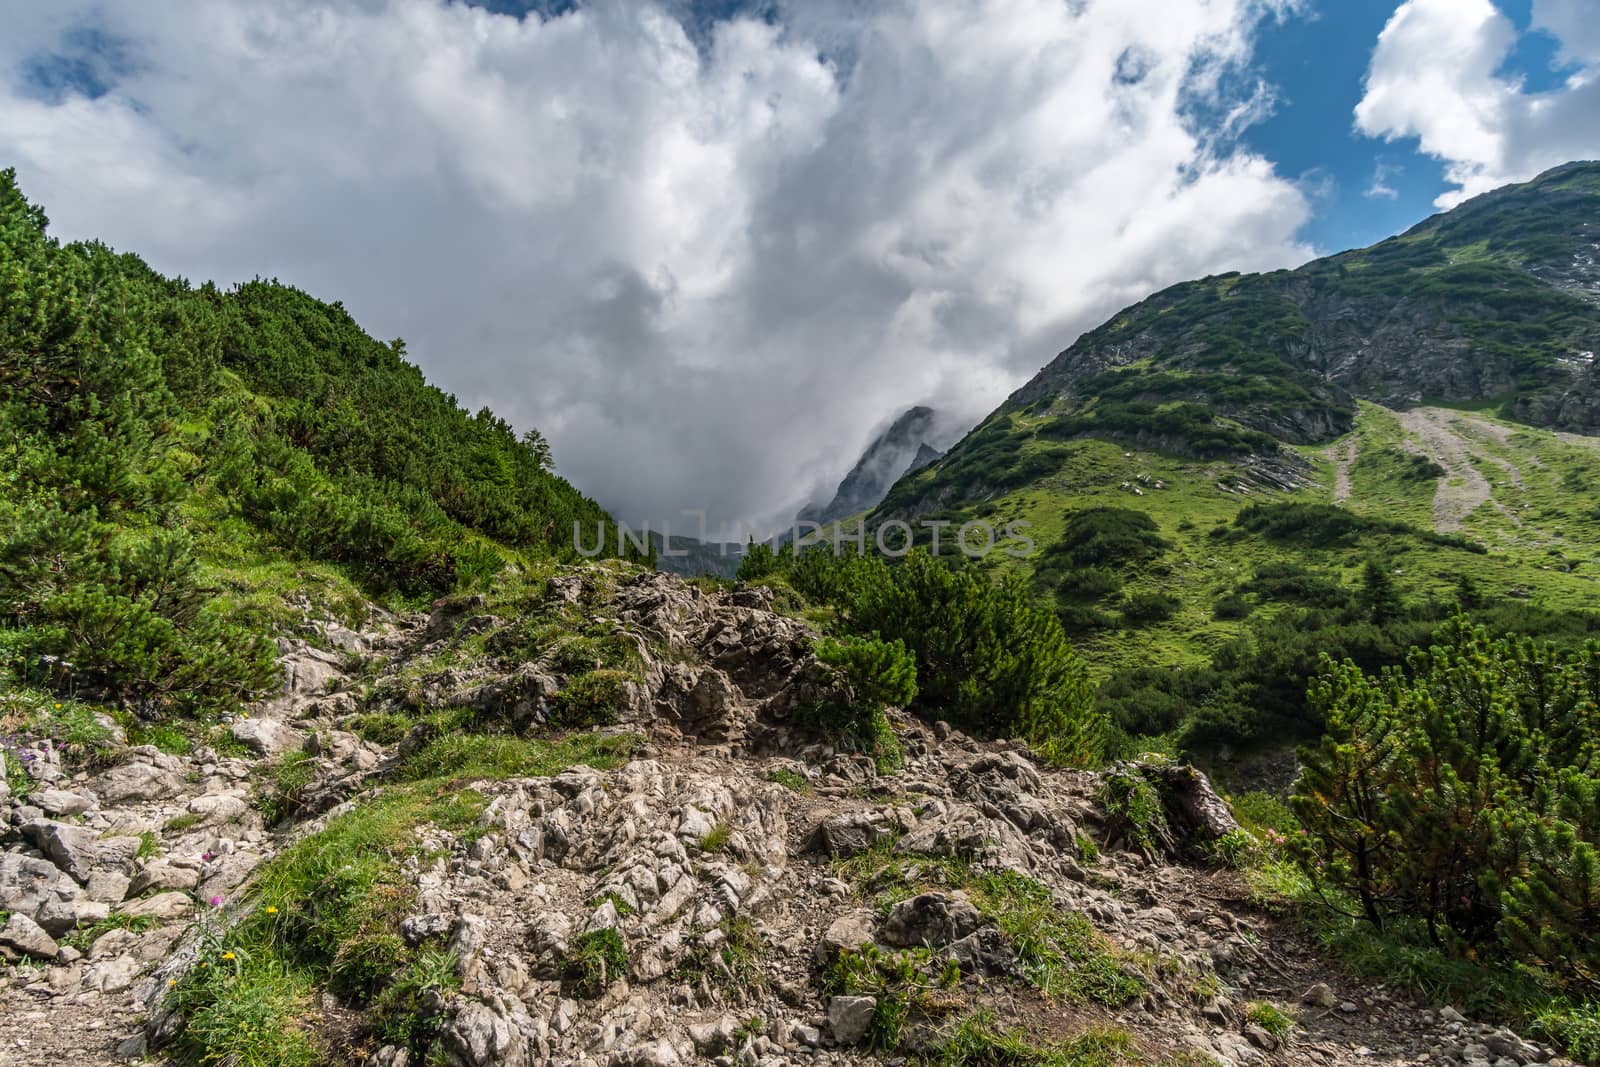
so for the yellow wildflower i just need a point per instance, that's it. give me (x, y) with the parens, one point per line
(227, 955)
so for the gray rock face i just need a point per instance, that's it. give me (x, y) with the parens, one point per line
(848, 932)
(906, 446)
(849, 833)
(480, 1036)
(74, 849)
(27, 882)
(170, 905)
(984, 951)
(59, 802)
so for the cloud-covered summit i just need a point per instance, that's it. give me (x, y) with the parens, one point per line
(706, 264)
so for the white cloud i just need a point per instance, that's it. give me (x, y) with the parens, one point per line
(1380, 189)
(1435, 75)
(1573, 23)
(707, 270)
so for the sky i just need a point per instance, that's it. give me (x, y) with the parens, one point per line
(709, 249)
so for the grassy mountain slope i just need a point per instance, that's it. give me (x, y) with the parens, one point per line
(188, 469)
(1242, 472)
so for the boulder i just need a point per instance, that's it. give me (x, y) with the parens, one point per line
(266, 737)
(22, 938)
(163, 906)
(161, 875)
(852, 832)
(984, 951)
(931, 919)
(74, 849)
(110, 887)
(139, 781)
(58, 802)
(849, 1018)
(215, 809)
(26, 882)
(849, 931)
(480, 1036)
(1193, 807)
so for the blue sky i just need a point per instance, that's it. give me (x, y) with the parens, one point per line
(1318, 62)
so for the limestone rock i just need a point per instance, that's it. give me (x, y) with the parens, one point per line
(849, 1018)
(22, 938)
(848, 932)
(162, 906)
(58, 802)
(480, 1036)
(150, 777)
(265, 737)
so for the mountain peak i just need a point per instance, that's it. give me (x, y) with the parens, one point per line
(899, 450)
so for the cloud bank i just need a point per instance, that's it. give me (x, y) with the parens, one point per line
(706, 265)
(1436, 75)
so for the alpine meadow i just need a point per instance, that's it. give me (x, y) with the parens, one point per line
(326, 737)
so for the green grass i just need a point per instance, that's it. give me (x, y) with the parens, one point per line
(793, 781)
(906, 984)
(463, 757)
(170, 738)
(733, 964)
(84, 936)
(28, 713)
(280, 795)
(717, 838)
(593, 962)
(382, 727)
(978, 1040)
(1269, 1017)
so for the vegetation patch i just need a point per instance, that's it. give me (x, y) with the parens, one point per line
(279, 797)
(594, 961)
(979, 1040)
(1059, 951)
(466, 756)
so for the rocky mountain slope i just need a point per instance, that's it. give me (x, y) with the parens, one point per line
(703, 881)
(1497, 300)
(906, 446)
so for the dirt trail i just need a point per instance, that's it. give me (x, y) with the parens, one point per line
(1344, 457)
(1438, 434)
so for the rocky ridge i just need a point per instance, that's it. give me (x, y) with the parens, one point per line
(757, 883)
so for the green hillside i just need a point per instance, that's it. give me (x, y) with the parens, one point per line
(1242, 473)
(189, 470)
